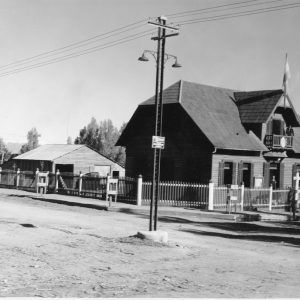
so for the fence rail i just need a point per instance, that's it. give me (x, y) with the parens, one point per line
(256, 198)
(282, 199)
(221, 200)
(181, 194)
(178, 194)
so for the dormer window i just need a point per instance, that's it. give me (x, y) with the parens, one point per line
(278, 127)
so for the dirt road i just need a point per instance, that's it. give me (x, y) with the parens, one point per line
(53, 250)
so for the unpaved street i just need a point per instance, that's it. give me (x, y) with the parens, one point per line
(53, 250)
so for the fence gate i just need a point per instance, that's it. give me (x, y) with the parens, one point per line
(228, 198)
(233, 198)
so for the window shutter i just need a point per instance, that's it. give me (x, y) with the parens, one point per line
(234, 173)
(251, 175)
(221, 173)
(281, 176)
(268, 129)
(294, 171)
(266, 174)
(240, 173)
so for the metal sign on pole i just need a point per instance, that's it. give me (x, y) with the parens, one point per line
(158, 142)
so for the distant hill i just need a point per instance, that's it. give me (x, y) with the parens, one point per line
(14, 148)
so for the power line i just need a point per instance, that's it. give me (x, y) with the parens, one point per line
(93, 39)
(210, 8)
(204, 11)
(241, 14)
(77, 54)
(77, 44)
(127, 28)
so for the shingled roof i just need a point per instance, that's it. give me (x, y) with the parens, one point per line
(257, 106)
(214, 111)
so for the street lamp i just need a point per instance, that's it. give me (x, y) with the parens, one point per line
(158, 142)
(167, 56)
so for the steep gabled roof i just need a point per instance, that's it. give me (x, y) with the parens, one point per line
(213, 110)
(257, 106)
(48, 152)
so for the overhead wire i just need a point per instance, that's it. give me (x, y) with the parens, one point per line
(77, 54)
(217, 8)
(57, 52)
(241, 14)
(78, 44)
(210, 8)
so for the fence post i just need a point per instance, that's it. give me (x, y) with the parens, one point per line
(80, 183)
(242, 196)
(37, 180)
(108, 197)
(0, 174)
(211, 195)
(18, 178)
(56, 181)
(139, 190)
(270, 197)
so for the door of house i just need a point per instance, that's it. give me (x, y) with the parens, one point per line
(274, 175)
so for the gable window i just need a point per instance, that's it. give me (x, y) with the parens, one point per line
(277, 127)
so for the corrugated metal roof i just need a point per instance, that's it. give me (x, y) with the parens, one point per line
(48, 152)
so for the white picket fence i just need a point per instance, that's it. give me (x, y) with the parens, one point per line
(241, 198)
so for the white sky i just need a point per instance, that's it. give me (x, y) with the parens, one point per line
(246, 53)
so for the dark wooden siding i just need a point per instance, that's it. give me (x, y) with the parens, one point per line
(187, 153)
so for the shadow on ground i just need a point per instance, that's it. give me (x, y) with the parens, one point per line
(250, 237)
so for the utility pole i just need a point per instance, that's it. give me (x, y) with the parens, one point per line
(160, 62)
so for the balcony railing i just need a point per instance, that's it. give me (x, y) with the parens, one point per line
(274, 141)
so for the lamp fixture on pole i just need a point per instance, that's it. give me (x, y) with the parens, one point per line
(144, 58)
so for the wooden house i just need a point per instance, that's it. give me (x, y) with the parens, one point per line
(67, 158)
(217, 134)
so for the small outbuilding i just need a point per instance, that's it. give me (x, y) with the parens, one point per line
(68, 158)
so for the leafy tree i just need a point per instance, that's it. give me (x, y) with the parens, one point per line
(102, 137)
(4, 153)
(32, 140)
(69, 140)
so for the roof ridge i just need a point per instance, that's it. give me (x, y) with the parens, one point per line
(80, 146)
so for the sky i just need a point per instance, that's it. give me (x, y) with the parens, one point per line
(242, 53)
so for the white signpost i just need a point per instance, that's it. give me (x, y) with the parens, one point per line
(158, 142)
(296, 178)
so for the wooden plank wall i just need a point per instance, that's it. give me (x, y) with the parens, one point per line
(217, 158)
(84, 160)
(186, 148)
